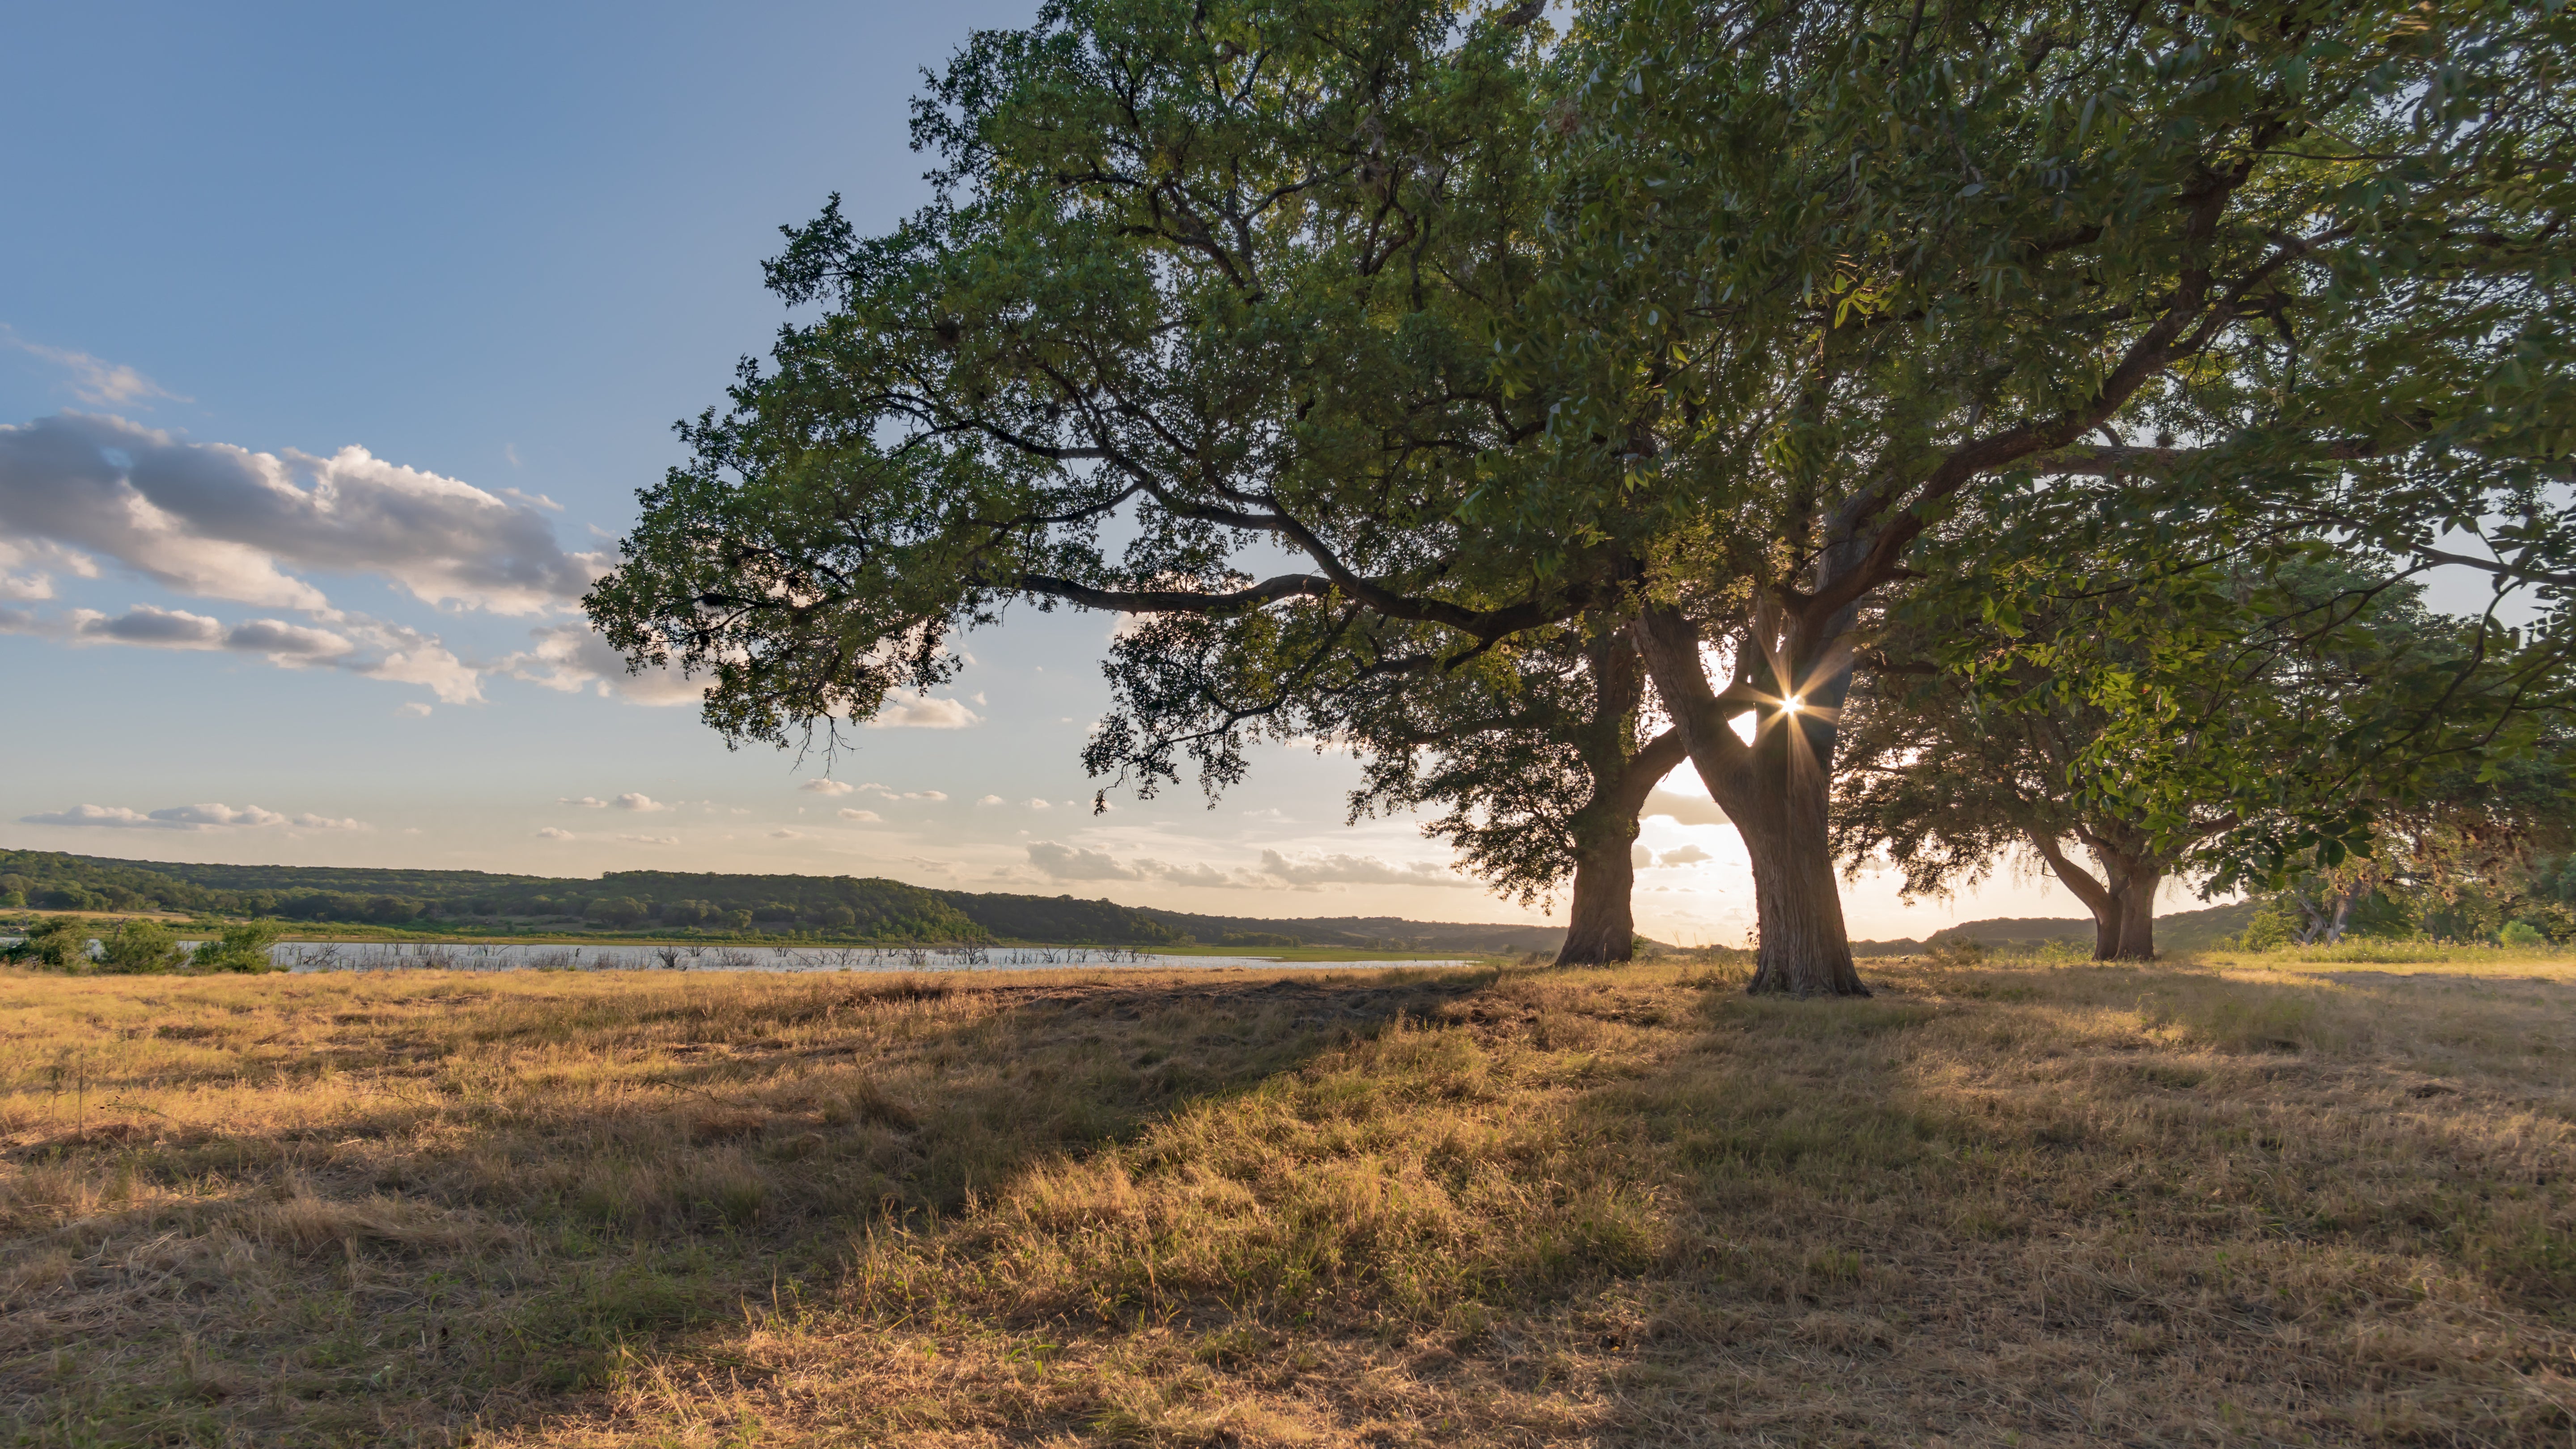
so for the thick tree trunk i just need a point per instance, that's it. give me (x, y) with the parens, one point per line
(1599, 929)
(1775, 791)
(2137, 941)
(1803, 948)
(2124, 909)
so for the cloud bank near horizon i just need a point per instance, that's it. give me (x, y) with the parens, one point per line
(209, 816)
(1066, 863)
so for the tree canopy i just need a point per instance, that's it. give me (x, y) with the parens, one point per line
(1382, 359)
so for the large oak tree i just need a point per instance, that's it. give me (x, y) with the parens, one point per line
(1199, 332)
(1822, 267)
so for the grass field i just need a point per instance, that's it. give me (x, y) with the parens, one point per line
(2334, 1203)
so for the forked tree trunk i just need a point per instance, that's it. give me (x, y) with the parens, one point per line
(1775, 792)
(2124, 908)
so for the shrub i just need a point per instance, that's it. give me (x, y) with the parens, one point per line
(242, 948)
(58, 943)
(2523, 934)
(141, 948)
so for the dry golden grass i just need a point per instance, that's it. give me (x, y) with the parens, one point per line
(1999, 1204)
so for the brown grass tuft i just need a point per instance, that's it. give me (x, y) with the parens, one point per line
(1996, 1203)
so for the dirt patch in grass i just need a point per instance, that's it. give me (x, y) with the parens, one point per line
(2064, 1205)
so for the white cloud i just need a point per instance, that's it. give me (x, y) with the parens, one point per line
(1072, 863)
(1065, 862)
(651, 839)
(638, 801)
(1355, 870)
(573, 657)
(414, 710)
(209, 816)
(992, 800)
(378, 650)
(1036, 804)
(1198, 873)
(150, 627)
(157, 628)
(29, 587)
(787, 835)
(221, 522)
(864, 817)
(586, 802)
(890, 793)
(93, 380)
(285, 643)
(827, 787)
(1683, 809)
(906, 710)
(430, 664)
(551, 832)
(1685, 855)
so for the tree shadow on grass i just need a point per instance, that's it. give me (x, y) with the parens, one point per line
(2098, 1205)
(431, 1213)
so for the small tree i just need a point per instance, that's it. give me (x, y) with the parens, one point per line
(141, 948)
(616, 911)
(240, 948)
(2050, 704)
(56, 943)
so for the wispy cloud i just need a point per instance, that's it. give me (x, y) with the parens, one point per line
(94, 380)
(891, 793)
(1059, 862)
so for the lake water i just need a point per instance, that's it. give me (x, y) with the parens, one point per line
(446, 956)
(437, 956)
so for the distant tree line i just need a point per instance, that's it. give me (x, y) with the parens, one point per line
(703, 903)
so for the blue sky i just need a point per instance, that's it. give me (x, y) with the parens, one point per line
(499, 249)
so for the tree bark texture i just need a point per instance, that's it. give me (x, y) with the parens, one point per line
(1775, 791)
(2122, 900)
(1600, 926)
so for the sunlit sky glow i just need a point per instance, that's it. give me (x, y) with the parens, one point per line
(335, 344)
